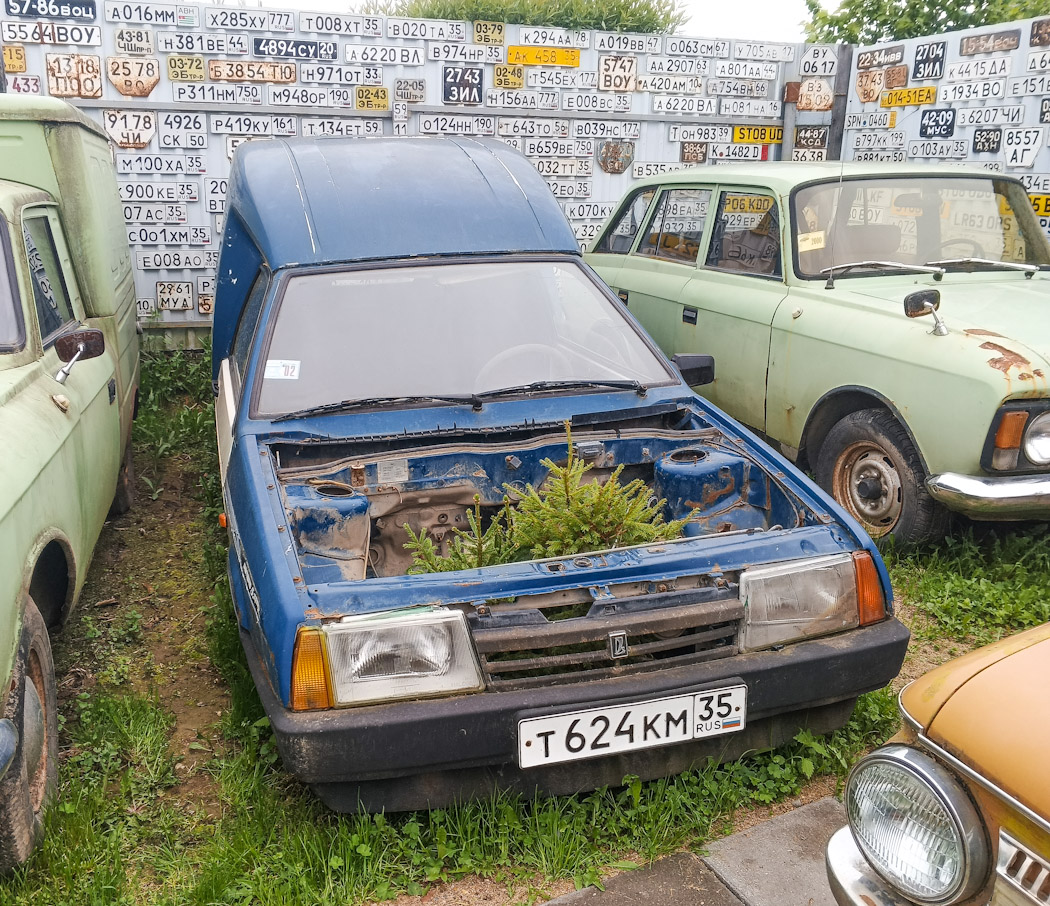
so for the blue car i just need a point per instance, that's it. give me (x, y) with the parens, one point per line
(408, 347)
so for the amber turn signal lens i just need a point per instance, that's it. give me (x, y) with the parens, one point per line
(871, 606)
(1011, 430)
(222, 520)
(309, 678)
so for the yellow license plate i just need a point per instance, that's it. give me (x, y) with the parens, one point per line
(758, 135)
(1041, 204)
(909, 97)
(543, 56)
(14, 58)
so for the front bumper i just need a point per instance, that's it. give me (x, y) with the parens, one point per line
(1007, 497)
(420, 753)
(853, 881)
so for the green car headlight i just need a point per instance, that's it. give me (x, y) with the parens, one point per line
(917, 826)
(1037, 440)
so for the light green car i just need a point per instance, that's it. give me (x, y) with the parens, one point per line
(69, 371)
(888, 326)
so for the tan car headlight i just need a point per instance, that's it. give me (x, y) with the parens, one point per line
(916, 826)
(410, 654)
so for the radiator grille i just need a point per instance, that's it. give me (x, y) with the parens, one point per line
(1023, 869)
(522, 646)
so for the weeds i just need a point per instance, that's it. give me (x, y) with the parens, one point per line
(979, 585)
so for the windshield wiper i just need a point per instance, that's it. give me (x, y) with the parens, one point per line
(535, 386)
(351, 405)
(937, 272)
(972, 264)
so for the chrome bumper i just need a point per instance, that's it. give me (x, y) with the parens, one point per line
(1009, 497)
(853, 881)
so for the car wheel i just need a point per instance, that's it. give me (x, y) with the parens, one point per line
(870, 466)
(124, 498)
(33, 775)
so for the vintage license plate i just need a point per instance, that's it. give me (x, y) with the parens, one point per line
(201, 42)
(185, 68)
(411, 91)
(14, 58)
(891, 139)
(641, 169)
(175, 296)
(489, 32)
(51, 9)
(153, 14)
(880, 119)
(461, 84)
(182, 131)
(557, 147)
(697, 47)
(543, 56)
(569, 188)
(1033, 84)
(446, 52)
(980, 90)
(809, 154)
(588, 210)
(215, 194)
(1021, 145)
(670, 84)
(130, 128)
(259, 124)
(605, 129)
(909, 97)
(955, 149)
(678, 66)
(216, 94)
(134, 212)
(452, 124)
(523, 99)
(626, 728)
(585, 232)
(248, 20)
(170, 164)
(683, 133)
(134, 41)
(295, 49)
(749, 107)
(552, 37)
(357, 127)
(133, 76)
(774, 53)
(684, 105)
(745, 69)
(929, 61)
(169, 235)
(740, 88)
(719, 151)
(144, 190)
(426, 29)
(971, 70)
(508, 78)
(811, 137)
(73, 75)
(819, 60)
(50, 33)
(624, 43)
(327, 74)
(378, 54)
(333, 24)
(761, 135)
(589, 102)
(251, 71)
(23, 84)
(564, 166)
(533, 128)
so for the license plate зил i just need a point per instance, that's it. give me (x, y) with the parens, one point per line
(623, 728)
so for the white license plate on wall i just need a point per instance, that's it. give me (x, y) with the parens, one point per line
(625, 728)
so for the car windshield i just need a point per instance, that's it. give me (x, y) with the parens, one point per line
(451, 329)
(950, 222)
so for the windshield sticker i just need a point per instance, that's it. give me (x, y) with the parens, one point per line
(282, 370)
(811, 242)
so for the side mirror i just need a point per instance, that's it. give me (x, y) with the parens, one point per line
(924, 302)
(88, 343)
(696, 369)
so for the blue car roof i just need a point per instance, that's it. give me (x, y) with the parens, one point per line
(313, 201)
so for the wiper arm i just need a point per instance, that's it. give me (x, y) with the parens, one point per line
(937, 272)
(974, 263)
(351, 405)
(637, 387)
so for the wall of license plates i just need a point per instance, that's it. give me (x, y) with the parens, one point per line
(179, 86)
(978, 96)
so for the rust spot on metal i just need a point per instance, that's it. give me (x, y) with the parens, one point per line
(980, 332)
(1024, 376)
(1038, 372)
(357, 476)
(1006, 358)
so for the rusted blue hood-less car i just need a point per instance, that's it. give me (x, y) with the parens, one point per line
(403, 330)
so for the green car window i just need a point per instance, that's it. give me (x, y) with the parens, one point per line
(678, 225)
(53, 307)
(746, 235)
(620, 239)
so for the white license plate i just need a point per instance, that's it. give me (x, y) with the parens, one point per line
(626, 728)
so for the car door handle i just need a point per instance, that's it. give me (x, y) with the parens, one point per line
(688, 315)
(623, 296)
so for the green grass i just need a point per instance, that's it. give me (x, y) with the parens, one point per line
(977, 585)
(116, 836)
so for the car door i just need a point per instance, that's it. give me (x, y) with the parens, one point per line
(728, 307)
(657, 256)
(91, 444)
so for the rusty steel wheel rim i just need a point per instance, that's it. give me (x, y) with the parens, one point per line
(868, 485)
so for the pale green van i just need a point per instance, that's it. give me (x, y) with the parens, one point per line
(887, 325)
(69, 373)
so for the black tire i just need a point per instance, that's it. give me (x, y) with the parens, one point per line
(124, 498)
(31, 780)
(870, 466)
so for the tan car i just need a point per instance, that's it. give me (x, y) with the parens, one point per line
(956, 808)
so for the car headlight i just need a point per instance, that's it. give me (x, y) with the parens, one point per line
(800, 599)
(916, 826)
(408, 654)
(1037, 440)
